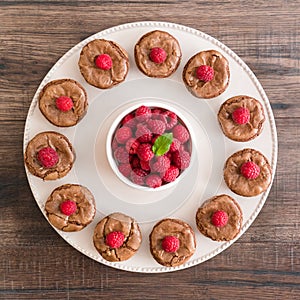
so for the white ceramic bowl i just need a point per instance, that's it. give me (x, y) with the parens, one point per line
(115, 125)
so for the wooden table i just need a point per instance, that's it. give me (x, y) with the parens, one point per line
(37, 264)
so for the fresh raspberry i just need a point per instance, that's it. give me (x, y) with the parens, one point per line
(135, 162)
(137, 176)
(123, 134)
(115, 239)
(129, 121)
(219, 218)
(161, 164)
(156, 126)
(171, 174)
(175, 146)
(143, 113)
(158, 55)
(181, 159)
(143, 133)
(68, 207)
(171, 119)
(103, 61)
(125, 169)
(156, 112)
(205, 73)
(170, 243)
(121, 155)
(250, 170)
(181, 133)
(132, 145)
(153, 181)
(145, 165)
(144, 152)
(114, 144)
(241, 115)
(64, 103)
(48, 157)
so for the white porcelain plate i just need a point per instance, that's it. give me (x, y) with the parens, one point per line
(203, 180)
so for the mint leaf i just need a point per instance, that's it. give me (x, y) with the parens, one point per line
(162, 144)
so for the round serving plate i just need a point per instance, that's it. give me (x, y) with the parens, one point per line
(203, 179)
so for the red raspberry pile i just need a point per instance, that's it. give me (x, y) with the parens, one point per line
(151, 146)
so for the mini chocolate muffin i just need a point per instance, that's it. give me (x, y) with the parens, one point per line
(157, 54)
(220, 218)
(63, 102)
(241, 118)
(206, 74)
(172, 242)
(117, 237)
(49, 155)
(247, 172)
(70, 207)
(103, 63)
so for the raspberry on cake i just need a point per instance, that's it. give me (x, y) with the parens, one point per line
(157, 54)
(103, 63)
(241, 118)
(49, 155)
(241, 115)
(70, 207)
(63, 102)
(250, 170)
(247, 172)
(206, 74)
(117, 237)
(219, 218)
(172, 242)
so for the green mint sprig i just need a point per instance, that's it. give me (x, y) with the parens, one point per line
(162, 144)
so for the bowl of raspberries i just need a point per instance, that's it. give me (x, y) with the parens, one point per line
(149, 146)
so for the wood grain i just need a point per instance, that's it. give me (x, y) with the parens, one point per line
(37, 264)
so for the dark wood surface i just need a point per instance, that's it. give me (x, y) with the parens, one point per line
(37, 264)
